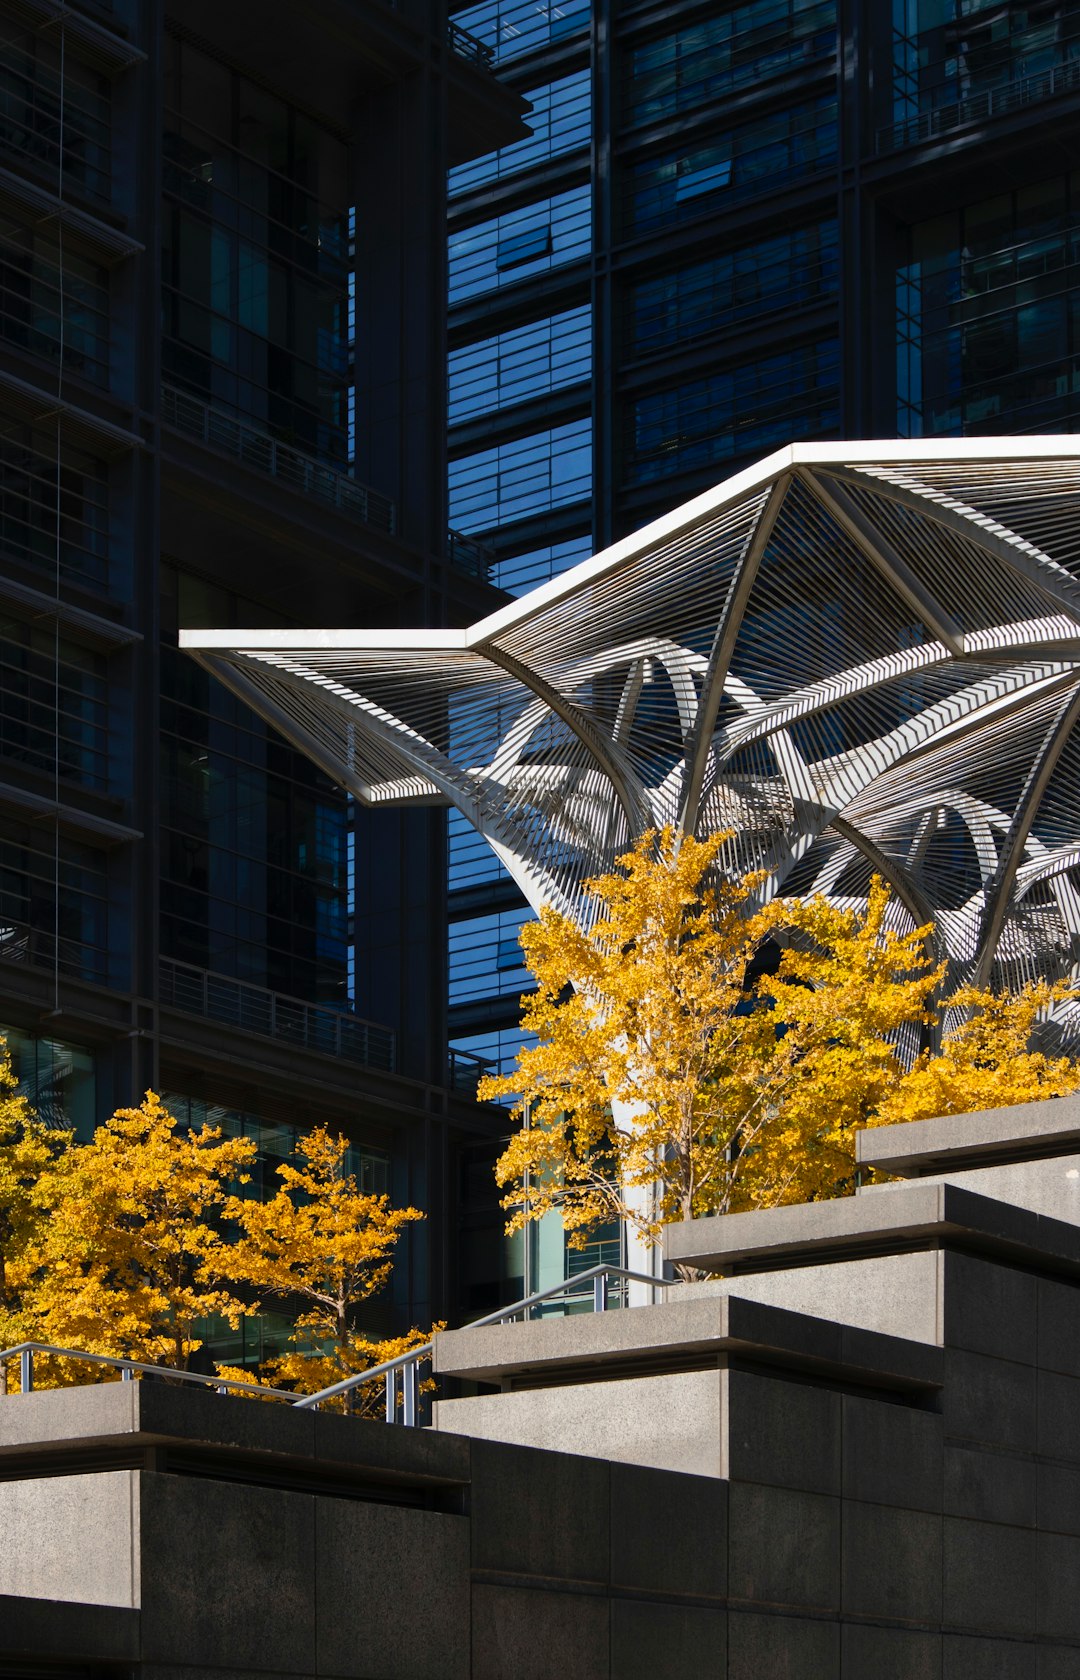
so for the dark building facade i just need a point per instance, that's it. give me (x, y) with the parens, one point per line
(738, 226)
(222, 344)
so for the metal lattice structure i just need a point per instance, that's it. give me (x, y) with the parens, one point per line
(858, 657)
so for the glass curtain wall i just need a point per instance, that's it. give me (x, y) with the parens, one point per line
(254, 838)
(255, 262)
(954, 62)
(504, 256)
(65, 704)
(519, 260)
(256, 321)
(658, 245)
(988, 316)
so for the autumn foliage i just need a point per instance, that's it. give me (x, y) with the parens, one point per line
(677, 1074)
(128, 1244)
(322, 1247)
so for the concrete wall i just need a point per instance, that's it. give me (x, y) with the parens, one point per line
(72, 1537)
(671, 1421)
(1051, 1187)
(824, 1500)
(893, 1294)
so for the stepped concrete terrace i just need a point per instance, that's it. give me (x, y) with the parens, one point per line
(887, 1388)
(852, 1452)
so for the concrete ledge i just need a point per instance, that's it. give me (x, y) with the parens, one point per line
(83, 1427)
(912, 1216)
(993, 1137)
(677, 1335)
(672, 1421)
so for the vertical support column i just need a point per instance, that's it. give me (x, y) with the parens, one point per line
(411, 1384)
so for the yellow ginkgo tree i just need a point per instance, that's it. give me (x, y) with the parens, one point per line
(128, 1258)
(678, 1074)
(27, 1149)
(987, 1060)
(319, 1248)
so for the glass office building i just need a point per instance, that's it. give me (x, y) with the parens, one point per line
(737, 226)
(199, 424)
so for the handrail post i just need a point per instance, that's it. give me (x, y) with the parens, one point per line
(126, 1374)
(599, 1288)
(391, 1396)
(26, 1371)
(411, 1386)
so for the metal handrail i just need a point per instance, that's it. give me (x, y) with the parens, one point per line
(241, 1003)
(980, 107)
(408, 1361)
(467, 46)
(293, 468)
(127, 1368)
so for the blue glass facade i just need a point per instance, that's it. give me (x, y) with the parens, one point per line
(791, 221)
(752, 408)
(691, 180)
(786, 271)
(988, 316)
(739, 48)
(520, 243)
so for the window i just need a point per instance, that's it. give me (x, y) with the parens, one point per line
(58, 1080)
(485, 956)
(54, 114)
(987, 329)
(517, 573)
(744, 161)
(788, 271)
(254, 837)
(694, 183)
(742, 47)
(523, 247)
(54, 711)
(49, 314)
(35, 532)
(513, 27)
(560, 122)
(522, 362)
(526, 476)
(954, 62)
(552, 231)
(54, 904)
(749, 409)
(255, 265)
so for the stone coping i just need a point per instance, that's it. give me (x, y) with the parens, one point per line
(686, 1330)
(992, 1137)
(82, 1426)
(912, 1216)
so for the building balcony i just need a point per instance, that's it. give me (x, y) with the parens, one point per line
(254, 1009)
(1010, 96)
(467, 46)
(226, 435)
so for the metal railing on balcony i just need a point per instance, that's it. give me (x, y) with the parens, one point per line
(467, 555)
(465, 1070)
(280, 461)
(468, 47)
(981, 107)
(312, 1026)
